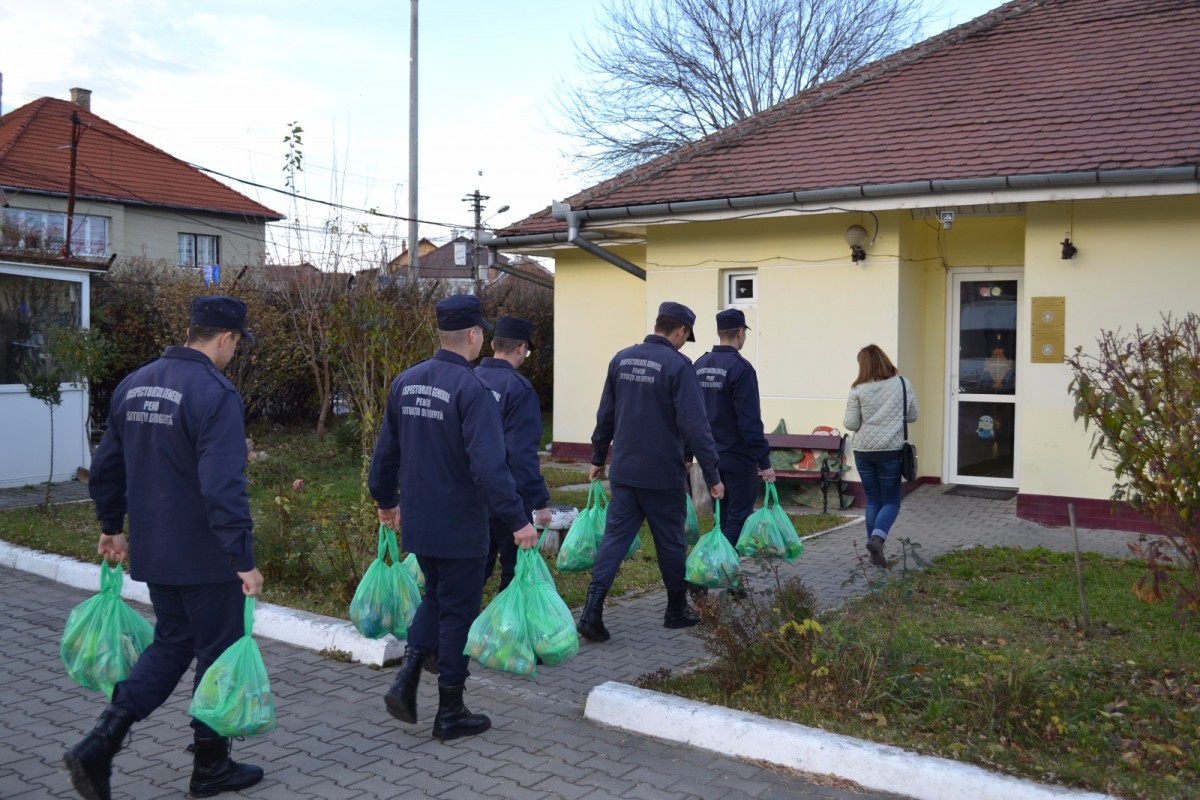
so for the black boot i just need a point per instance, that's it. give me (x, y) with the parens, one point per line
(453, 719)
(875, 548)
(679, 613)
(90, 761)
(429, 663)
(213, 771)
(401, 699)
(591, 621)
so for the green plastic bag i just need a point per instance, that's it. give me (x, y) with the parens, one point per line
(234, 696)
(551, 627)
(104, 637)
(578, 550)
(414, 569)
(499, 636)
(691, 526)
(387, 597)
(713, 562)
(769, 533)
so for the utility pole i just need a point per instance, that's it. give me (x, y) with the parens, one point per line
(413, 259)
(477, 270)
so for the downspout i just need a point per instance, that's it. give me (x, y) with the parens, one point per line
(563, 211)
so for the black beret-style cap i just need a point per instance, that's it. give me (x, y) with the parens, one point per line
(218, 311)
(680, 313)
(731, 319)
(460, 312)
(516, 328)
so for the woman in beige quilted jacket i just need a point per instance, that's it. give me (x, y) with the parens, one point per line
(876, 412)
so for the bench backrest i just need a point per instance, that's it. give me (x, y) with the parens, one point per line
(804, 441)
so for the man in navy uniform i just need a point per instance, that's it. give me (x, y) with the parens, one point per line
(442, 442)
(174, 459)
(730, 388)
(522, 417)
(650, 411)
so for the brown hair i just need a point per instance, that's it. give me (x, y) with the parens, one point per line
(873, 365)
(665, 326)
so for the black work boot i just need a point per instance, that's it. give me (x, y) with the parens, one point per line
(453, 719)
(213, 771)
(591, 621)
(679, 613)
(401, 699)
(90, 761)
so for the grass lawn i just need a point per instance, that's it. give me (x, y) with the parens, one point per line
(314, 544)
(980, 658)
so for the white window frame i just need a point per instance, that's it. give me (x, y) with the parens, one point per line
(190, 246)
(731, 278)
(48, 226)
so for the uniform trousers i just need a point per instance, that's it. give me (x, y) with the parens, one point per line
(192, 622)
(665, 510)
(453, 592)
(741, 490)
(503, 547)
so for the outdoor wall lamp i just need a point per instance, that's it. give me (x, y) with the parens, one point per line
(1068, 250)
(856, 237)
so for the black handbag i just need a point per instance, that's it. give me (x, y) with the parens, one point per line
(908, 451)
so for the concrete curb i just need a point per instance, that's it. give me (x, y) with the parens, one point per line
(302, 629)
(871, 765)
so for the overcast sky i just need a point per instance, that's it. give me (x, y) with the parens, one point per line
(216, 83)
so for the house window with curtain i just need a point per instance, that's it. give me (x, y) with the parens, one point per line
(741, 288)
(198, 250)
(32, 311)
(45, 232)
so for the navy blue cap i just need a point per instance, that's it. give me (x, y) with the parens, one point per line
(460, 312)
(680, 313)
(515, 328)
(218, 311)
(731, 319)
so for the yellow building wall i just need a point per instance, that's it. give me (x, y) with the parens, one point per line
(1137, 259)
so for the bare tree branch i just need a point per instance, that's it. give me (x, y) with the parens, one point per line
(662, 73)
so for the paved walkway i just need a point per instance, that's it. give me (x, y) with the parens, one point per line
(336, 742)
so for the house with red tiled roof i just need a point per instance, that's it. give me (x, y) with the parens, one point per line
(978, 205)
(453, 264)
(77, 192)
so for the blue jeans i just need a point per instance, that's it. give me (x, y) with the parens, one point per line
(881, 482)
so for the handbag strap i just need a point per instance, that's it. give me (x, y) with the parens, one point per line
(904, 410)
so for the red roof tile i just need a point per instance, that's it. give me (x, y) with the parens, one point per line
(1034, 87)
(112, 164)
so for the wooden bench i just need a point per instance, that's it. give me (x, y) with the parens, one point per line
(821, 469)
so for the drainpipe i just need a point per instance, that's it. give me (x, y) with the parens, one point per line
(563, 212)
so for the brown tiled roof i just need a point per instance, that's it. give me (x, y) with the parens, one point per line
(1034, 87)
(112, 164)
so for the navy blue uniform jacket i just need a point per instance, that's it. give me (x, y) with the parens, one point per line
(730, 388)
(442, 441)
(174, 458)
(650, 410)
(521, 415)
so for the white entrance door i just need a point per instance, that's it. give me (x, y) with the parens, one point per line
(984, 414)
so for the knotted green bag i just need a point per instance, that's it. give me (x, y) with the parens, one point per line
(104, 637)
(234, 695)
(578, 550)
(769, 533)
(387, 596)
(713, 562)
(691, 525)
(550, 624)
(499, 636)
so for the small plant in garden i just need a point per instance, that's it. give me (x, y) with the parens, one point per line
(1140, 396)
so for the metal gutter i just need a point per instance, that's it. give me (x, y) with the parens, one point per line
(577, 218)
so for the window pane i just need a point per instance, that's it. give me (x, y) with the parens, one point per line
(206, 247)
(30, 310)
(187, 250)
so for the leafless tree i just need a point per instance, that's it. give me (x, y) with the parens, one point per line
(662, 73)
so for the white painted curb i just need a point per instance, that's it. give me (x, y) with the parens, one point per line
(871, 765)
(299, 628)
